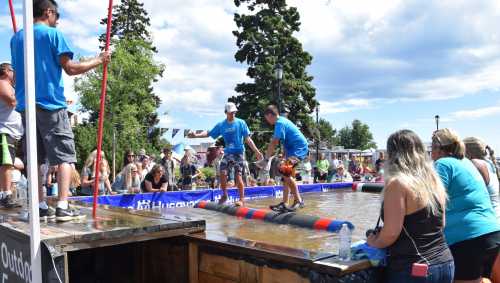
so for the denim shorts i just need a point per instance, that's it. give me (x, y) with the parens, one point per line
(438, 273)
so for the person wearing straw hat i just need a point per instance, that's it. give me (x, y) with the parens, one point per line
(235, 133)
(11, 131)
(55, 138)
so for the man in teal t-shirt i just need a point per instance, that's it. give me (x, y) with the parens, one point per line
(296, 150)
(235, 133)
(55, 137)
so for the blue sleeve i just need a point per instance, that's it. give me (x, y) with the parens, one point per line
(245, 131)
(445, 173)
(215, 132)
(60, 45)
(279, 131)
(12, 52)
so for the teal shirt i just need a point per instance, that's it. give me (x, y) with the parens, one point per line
(50, 45)
(293, 140)
(469, 213)
(234, 134)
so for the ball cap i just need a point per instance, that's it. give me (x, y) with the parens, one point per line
(230, 108)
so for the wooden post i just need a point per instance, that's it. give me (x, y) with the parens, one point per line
(193, 263)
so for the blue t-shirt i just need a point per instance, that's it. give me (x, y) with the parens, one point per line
(293, 140)
(234, 135)
(469, 213)
(50, 44)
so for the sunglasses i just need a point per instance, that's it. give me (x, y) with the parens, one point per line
(130, 155)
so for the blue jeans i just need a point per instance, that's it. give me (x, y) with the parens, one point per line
(438, 273)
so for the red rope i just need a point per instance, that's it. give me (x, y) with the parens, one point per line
(12, 16)
(102, 111)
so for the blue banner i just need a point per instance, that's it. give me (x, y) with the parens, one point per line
(147, 201)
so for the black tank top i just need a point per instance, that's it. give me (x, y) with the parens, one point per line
(426, 229)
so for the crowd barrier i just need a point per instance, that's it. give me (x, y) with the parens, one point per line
(290, 218)
(147, 201)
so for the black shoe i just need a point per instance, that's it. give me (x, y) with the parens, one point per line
(297, 205)
(64, 215)
(46, 214)
(281, 207)
(8, 202)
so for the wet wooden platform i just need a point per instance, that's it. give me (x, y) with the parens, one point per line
(112, 226)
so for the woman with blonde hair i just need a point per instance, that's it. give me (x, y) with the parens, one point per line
(477, 151)
(413, 214)
(472, 229)
(88, 175)
(131, 179)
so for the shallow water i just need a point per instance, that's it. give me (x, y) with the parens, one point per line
(361, 209)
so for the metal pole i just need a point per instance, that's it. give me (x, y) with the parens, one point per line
(437, 122)
(29, 86)
(12, 16)
(317, 127)
(280, 106)
(101, 111)
(114, 153)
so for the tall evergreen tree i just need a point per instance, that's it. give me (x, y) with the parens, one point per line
(265, 38)
(131, 104)
(131, 21)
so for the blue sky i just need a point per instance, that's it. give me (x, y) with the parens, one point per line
(392, 64)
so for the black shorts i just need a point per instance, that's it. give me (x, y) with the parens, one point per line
(474, 258)
(7, 150)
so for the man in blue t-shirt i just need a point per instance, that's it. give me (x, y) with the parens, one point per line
(54, 135)
(296, 149)
(235, 133)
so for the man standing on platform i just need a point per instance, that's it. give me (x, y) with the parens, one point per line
(54, 135)
(296, 149)
(11, 131)
(235, 133)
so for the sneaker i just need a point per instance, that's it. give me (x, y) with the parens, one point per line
(8, 202)
(46, 214)
(64, 215)
(281, 207)
(239, 204)
(297, 205)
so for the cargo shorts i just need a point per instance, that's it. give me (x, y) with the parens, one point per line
(235, 162)
(55, 139)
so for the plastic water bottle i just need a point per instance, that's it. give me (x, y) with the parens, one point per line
(345, 243)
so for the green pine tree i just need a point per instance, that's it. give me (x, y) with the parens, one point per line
(265, 37)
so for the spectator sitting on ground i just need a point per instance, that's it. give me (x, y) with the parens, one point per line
(75, 181)
(252, 182)
(472, 229)
(128, 180)
(342, 175)
(322, 166)
(355, 169)
(475, 150)
(155, 181)
(88, 175)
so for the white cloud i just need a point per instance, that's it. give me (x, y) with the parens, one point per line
(476, 113)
